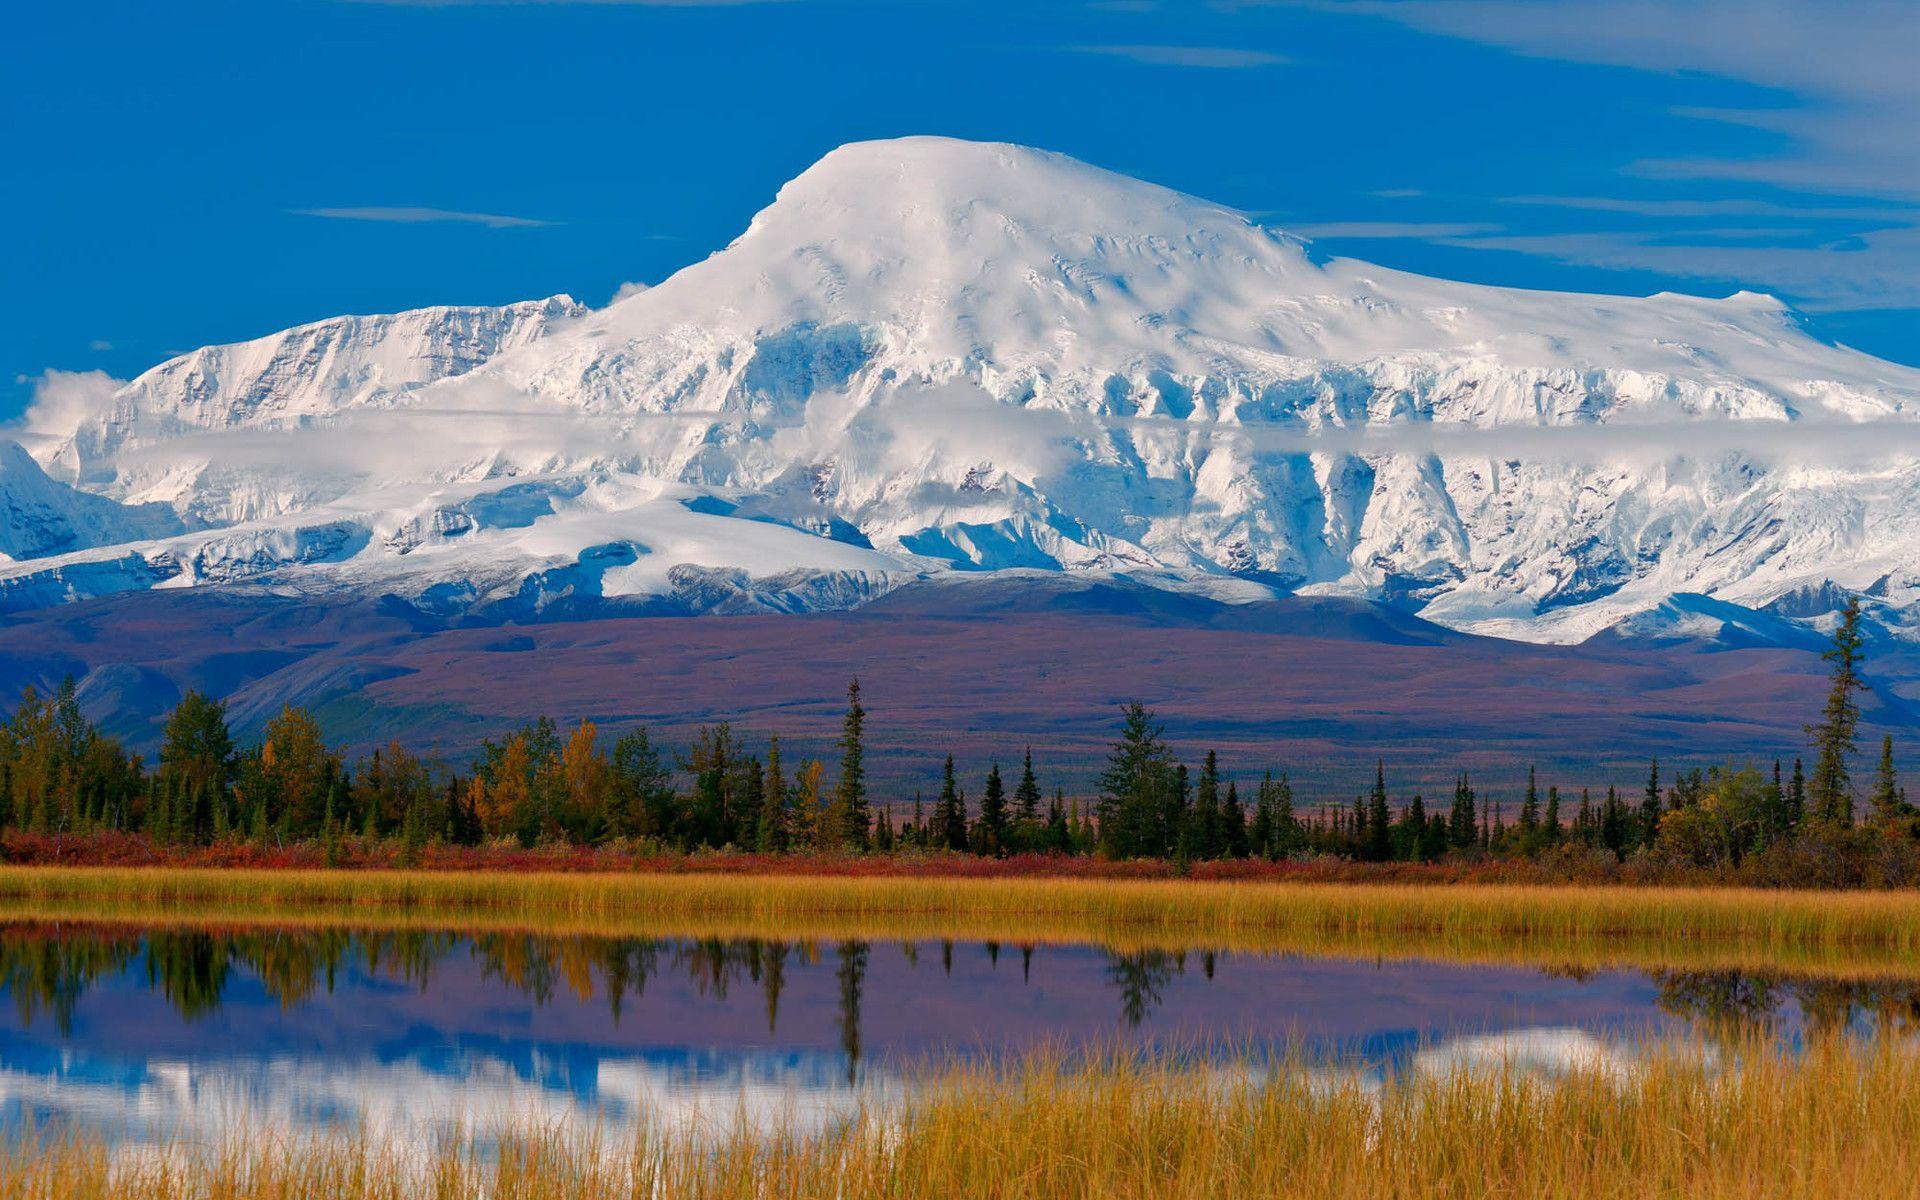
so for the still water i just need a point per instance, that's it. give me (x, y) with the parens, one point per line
(182, 1033)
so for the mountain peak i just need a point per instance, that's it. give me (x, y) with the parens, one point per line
(990, 197)
(931, 355)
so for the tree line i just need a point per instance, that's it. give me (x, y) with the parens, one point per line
(539, 784)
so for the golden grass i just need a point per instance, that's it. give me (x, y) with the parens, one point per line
(1840, 1122)
(1840, 934)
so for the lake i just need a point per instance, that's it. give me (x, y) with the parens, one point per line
(164, 1033)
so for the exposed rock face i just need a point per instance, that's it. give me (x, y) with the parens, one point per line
(929, 356)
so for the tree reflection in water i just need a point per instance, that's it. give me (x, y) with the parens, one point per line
(1731, 1006)
(1141, 979)
(49, 969)
(853, 978)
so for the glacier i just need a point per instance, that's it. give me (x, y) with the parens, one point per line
(931, 359)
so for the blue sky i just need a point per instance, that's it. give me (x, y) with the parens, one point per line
(180, 174)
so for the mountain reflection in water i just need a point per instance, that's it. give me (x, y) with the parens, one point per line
(141, 1033)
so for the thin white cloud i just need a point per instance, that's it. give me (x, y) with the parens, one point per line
(100, 344)
(1397, 193)
(1872, 270)
(1215, 57)
(61, 401)
(1836, 99)
(1849, 64)
(1395, 229)
(405, 215)
(1720, 208)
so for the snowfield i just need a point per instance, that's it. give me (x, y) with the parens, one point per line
(930, 356)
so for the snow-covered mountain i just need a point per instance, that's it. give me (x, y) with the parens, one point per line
(40, 516)
(930, 356)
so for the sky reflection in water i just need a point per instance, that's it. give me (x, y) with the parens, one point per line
(182, 1032)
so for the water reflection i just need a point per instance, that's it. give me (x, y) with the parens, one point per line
(135, 1031)
(1734, 1005)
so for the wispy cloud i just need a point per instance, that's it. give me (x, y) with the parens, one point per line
(1395, 229)
(100, 344)
(1846, 67)
(1397, 193)
(1215, 57)
(401, 215)
(1880, 269)
(1830, 88)
(1720, 208)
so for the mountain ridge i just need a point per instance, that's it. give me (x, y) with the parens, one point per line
(929, 356)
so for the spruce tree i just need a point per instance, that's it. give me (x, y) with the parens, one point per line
(1463, 823)
(1059, 838)
(1026, 797)
(1136, 789)
(949, 813)
(1777, 821)
(1830, 790)
(1889, 807)
(1379, 834)
(1614, 834)
(1260, 834)
(196, 760)
(1233, 824)
(850, 794)
(774, 830)
(1288, 836)
(1411, 839)
(1797, 796)
(1204, 838)
(1176, 819)
(990, 829)
(1649, 821)
(1527, 830)
(1552, 831)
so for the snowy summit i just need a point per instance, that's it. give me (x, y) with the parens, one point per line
(930, 356)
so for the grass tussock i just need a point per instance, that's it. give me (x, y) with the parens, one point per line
(1840, 1121)
(1839, 933)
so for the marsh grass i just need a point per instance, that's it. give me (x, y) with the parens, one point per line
(1841, 1120)
(1838, 934)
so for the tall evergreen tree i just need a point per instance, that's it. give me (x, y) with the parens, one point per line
(1463, 823)
(950, 812)
(1797, 796)
(196, 762)
(1410, 839)
(1889, 806)
(1260, 829)
(774, 831)
(1136, 789)
(1776, 817)
(1233, 824)
(1059, 837)
(1830, 790)
(850, 794)
(1528, 827)
(1204, 836)
(1649, 820)
(1615, 833)
(1026, 797)
(990, 829)
(1379, 835)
